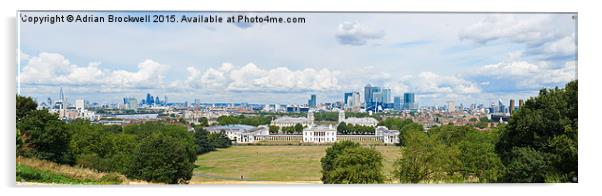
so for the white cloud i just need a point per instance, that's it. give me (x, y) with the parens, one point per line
(563, 46)
(250, 77)
(352, 33)
(522, 74)
(509, 27)
(150, 74)
(55, 69)
(538, 33)
(429, 83)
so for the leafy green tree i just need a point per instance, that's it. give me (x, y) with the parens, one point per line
(274, 129)
(25, 105)
(298, 128)
(204, 122)
(425, 160)
(409, 128)
(219, 140)
(527, 165)
(395, 123)
(357, 165)
(342, 128)
(203, 144)
(45, 137)
(548, 125)
(332, 152)
(163, 158)
(480, 160)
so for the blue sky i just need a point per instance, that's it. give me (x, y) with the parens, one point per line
(470, 58)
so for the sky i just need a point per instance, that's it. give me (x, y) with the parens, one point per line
(463, 57)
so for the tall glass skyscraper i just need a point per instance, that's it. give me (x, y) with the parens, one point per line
(409, 101)
(397, 103)
(346, 98)
(312, 102)
(372, 96)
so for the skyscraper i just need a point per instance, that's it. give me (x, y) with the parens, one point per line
(346, 99)
(409, 101)
(149, 99)
(397, 103)
(157, 101)
(521, 103)
(372, 97)
(355, 102)
(312, 102)
(501, 105)
(386, 95)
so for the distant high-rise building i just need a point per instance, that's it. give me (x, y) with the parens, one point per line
(397, 103)
(451, 106)
(501, 105)
(386, 96)
(312, 102)
(346, 99)
(149, 99)
(521, 103)
(130, 103)
(157, 101)
(372, 97)
(409, 101)
(511, 106)
(355, 102)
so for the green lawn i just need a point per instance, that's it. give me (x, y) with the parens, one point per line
(271, 163)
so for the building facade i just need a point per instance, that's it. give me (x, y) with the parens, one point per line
(319, 134)
(241, 133)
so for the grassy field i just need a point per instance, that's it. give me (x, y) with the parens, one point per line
(271, 163)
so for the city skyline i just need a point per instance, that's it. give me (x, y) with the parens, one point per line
(470, 58)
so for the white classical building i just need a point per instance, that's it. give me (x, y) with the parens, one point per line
(286, 121)
(319, 134)
(241, 133)
(371, 122)
(386, 135)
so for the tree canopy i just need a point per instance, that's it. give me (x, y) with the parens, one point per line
(545, 128)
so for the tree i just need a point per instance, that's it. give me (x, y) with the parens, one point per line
(359, 165)
(332, 152)
(201, 137)
(412, 127)
(298, 128)
(425, 160)
(527, 165)
(548, 125)
(274, 129)
(342, 128)
(25, 105)
(204, 122)
(395, 123)
(347, 162)
(163, 158)
(45, 137)
(219, 140)
(480, 160)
